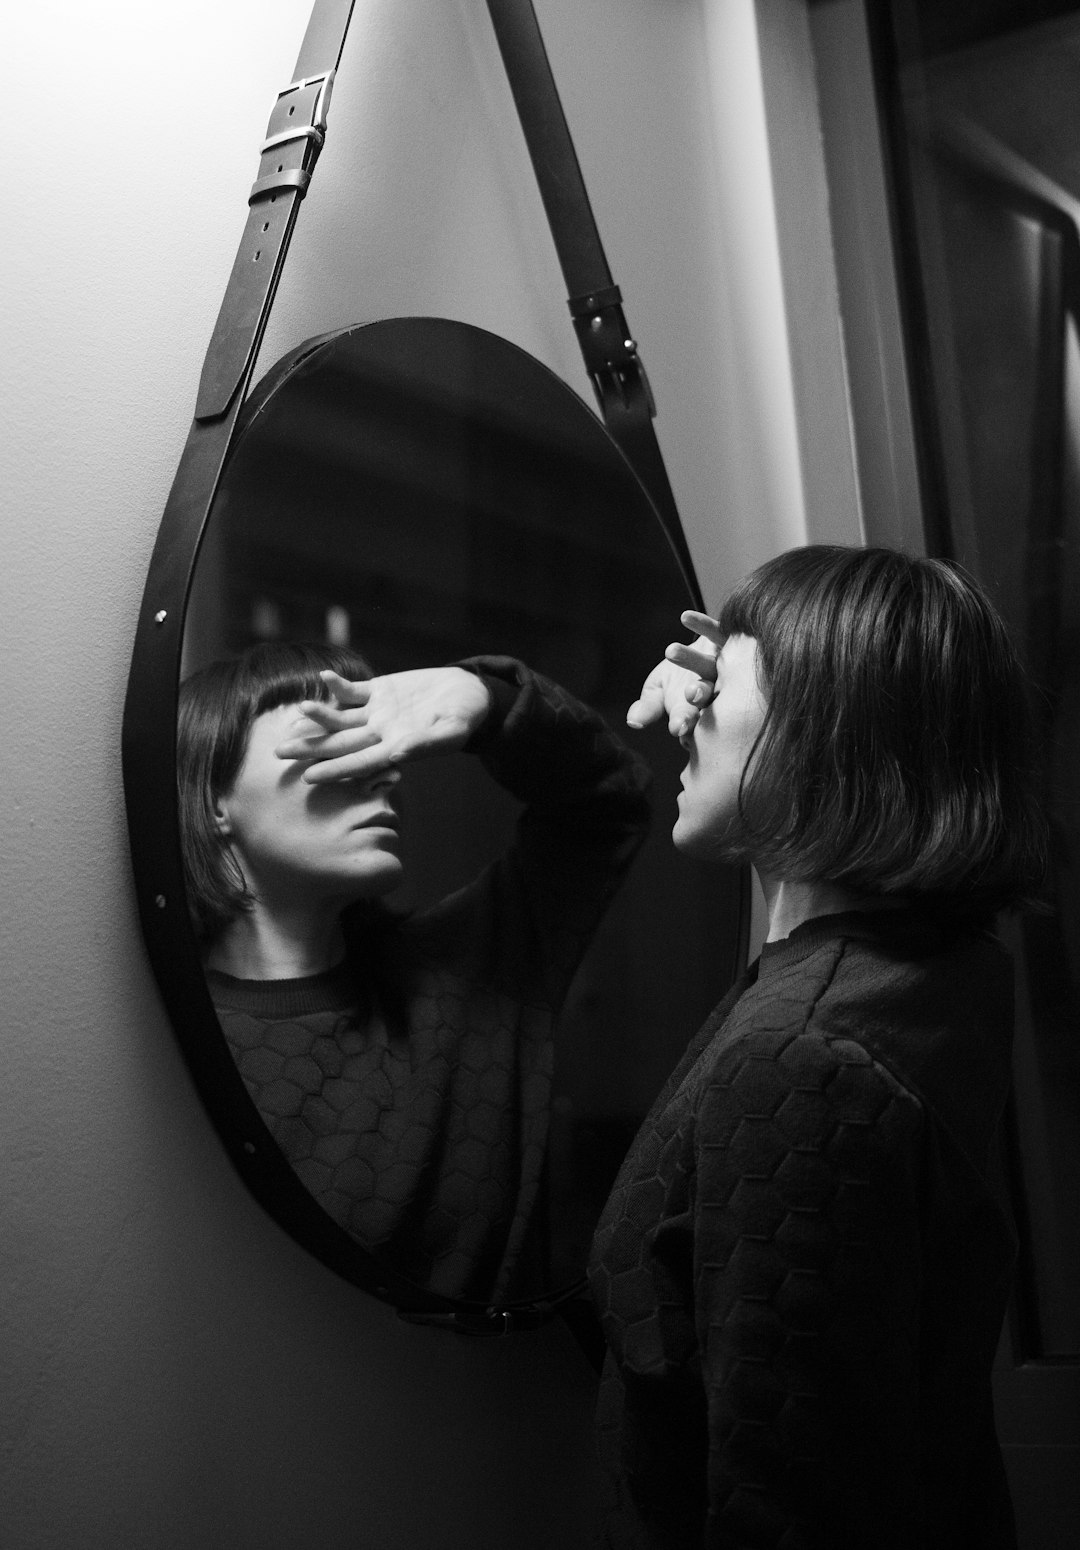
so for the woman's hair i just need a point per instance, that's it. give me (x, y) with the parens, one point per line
(897, 752)
(218, 705)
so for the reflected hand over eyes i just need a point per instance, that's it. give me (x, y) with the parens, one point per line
(682, 684)
(373, 724)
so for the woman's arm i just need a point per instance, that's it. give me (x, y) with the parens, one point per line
(585, 813)
(529, 918)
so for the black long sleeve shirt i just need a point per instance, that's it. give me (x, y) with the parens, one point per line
(410, 1087)
(803, 1268)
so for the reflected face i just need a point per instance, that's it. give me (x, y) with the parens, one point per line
(297, 843)
(719, 748)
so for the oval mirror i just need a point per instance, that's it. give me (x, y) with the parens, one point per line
(421, 491)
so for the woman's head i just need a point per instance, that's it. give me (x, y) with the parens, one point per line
(250, 826)
(889, 750)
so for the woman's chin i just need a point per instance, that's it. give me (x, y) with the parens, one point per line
(702, 841)
(685, 836)
(378, 880)
(387, 878)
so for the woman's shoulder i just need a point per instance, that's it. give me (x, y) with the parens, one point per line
(873, 1020)
(886, 977)
(784, 1023)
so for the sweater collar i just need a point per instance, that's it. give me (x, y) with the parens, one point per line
(916, 930)
(333, 991)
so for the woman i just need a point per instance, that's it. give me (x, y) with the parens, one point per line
(402, 1064)
(803, 1267)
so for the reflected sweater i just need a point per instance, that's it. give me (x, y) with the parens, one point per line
(410, 1087)
(802, 1270)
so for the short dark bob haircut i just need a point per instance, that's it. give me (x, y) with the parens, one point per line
(218, 705)
(897, 753)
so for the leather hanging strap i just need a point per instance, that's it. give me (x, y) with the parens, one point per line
(595, 301)
(294, 138)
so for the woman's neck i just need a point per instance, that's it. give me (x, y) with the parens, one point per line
(792, 904)
(260, 946)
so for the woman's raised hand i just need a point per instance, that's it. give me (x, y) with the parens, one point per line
(682, 684)
(374, 724)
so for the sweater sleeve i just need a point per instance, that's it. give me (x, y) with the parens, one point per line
(807, 1284)
(585, 814)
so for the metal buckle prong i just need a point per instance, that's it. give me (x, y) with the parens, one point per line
(322, 101)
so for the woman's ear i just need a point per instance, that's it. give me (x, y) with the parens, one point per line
(222, 822)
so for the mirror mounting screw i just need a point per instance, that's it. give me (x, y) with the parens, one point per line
(161, 615)
(159, 900)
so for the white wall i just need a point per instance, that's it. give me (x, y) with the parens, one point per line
(175, 1372)
(425, 203)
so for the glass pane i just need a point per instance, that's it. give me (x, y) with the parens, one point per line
(424, 491)
(987, 152)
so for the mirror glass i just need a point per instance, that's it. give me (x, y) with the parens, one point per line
(423, 491)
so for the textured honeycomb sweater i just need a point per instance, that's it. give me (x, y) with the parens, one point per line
(410, 1087)
(802, 1270)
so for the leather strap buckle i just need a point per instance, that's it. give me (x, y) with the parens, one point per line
(313, 134)
(611, 359)
(322, 101)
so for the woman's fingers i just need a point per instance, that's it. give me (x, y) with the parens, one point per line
(702, 625)
(363, 754)
(682, 684)
(328, 745)
(331, 718)
(346, 712)
(347, 691)
(362, 764)
(648, 707)
(702, 663)
(665, 694)
(700, 657)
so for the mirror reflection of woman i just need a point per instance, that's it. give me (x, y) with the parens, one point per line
(402, 1063)
(803, 1268)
